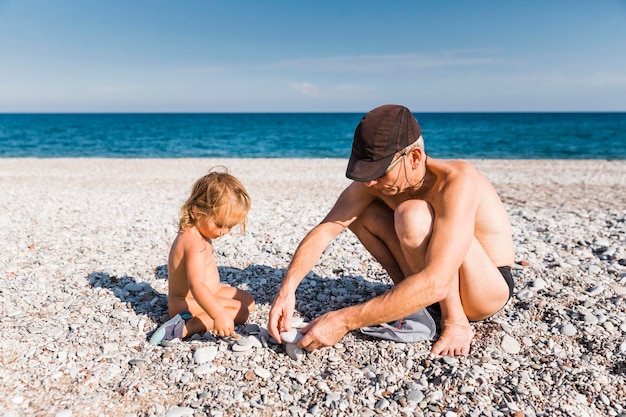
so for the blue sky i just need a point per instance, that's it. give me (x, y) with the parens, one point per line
(273, 56)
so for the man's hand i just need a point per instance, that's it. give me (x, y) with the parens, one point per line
(326, 330)
(281, 314)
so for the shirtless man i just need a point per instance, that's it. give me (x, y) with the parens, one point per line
(437, 227)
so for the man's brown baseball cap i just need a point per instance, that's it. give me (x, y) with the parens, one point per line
(380, 134)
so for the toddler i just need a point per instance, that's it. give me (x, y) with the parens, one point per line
(197, 300)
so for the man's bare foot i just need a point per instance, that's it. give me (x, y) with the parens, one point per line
(455, 339)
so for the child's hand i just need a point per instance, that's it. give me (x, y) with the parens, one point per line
(223, 326)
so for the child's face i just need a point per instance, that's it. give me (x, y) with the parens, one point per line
(209, 228)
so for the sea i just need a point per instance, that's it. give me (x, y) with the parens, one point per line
(306, 135)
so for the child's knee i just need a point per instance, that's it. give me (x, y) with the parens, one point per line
(247, 300)
(242, 315)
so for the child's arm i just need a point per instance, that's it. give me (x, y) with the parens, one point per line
(224, 324)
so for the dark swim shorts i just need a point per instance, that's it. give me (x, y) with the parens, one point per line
(505, 271)
(506, 274)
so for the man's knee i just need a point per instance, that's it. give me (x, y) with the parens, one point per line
(413, 221)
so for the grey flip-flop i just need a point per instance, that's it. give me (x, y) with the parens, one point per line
(414, 328)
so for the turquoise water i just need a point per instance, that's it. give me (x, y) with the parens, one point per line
(307, 135)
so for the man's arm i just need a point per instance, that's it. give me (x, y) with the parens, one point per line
(352, 201)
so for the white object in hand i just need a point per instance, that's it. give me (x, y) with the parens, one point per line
(292, 336)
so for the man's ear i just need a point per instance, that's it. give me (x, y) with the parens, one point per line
(416, 155)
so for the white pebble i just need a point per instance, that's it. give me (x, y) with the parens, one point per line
(323, 386)
(569, 330)
(510, 345)
(539, 284)
(205, 369)
(237, 347)
(292, 336)
(204, 354)
(595, 290)
(294, 352)
(262, 373)
(179, 412)
(590, 319)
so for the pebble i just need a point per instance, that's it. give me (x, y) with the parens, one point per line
(435, 396)
(206, 369)
(569, 330)
(246, 343)
(252, 328)
(590, 319)
(240, 348)
(382, 404)
(415, 396)
(510, 345)
(136, 362)
(292, 336)
(262, 373)
(595, 290)
(179, 412)
(133, 287)
(539, 284)
(323, 386)
(294, 352)
(204, 354)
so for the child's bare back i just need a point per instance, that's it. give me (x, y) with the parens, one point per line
(197, 300)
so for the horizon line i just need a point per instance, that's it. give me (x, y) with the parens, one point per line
(308, 112)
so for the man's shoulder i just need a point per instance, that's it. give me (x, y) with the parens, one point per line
(453, 163)
(454, 177)
(355, 195)
(456, 169)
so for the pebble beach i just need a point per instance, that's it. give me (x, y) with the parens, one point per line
(83, 284)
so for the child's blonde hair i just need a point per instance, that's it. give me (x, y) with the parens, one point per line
(218, 195)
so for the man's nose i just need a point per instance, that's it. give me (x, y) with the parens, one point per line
(370, 183)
